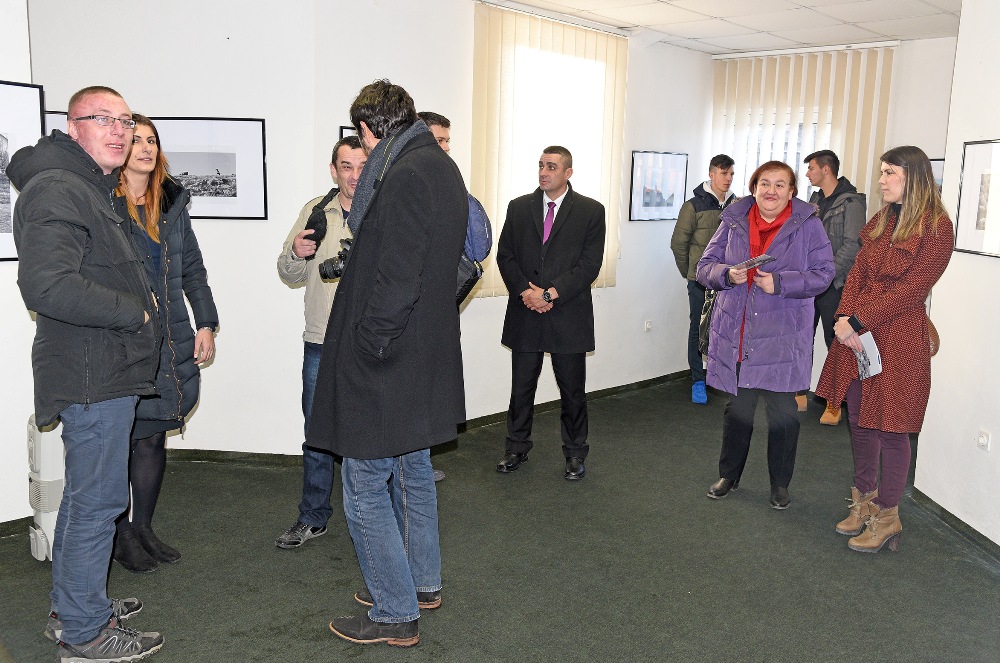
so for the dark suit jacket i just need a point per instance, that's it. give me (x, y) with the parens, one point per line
(390, 380)
(569, 262)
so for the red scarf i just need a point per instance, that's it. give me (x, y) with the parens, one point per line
(761, 234)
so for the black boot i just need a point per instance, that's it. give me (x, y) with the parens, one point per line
(130, 553)
(159, 551)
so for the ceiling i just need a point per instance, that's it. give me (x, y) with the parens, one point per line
(741, 26)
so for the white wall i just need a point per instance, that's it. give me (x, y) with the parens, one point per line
(951, 470)
(18, 329)
(300, 72)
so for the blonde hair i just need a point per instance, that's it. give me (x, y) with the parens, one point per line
(154, 189)
(921, 203)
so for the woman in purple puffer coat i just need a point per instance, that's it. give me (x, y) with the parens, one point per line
(761, 338)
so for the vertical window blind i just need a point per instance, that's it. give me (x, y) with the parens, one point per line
(785, 107)
(538, 82)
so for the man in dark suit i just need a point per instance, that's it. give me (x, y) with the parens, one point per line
(550, 251)
(390, 380)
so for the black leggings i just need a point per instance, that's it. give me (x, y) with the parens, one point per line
(146, 463)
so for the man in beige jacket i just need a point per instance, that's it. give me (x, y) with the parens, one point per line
(299, 262)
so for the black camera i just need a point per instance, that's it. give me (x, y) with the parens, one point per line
(333, 268)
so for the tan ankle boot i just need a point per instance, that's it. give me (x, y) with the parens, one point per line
(801, 402)
(831, 416)
(860, 506)
(881, 528)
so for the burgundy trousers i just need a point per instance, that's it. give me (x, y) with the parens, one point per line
(871, 446)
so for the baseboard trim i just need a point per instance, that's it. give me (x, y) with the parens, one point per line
(975, 538)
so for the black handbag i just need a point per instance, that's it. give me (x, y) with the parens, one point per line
(705, 326)
(469, 273)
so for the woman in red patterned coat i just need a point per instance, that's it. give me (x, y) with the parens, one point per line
(905, 248)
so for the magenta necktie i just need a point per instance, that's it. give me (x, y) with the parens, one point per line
(547, 224)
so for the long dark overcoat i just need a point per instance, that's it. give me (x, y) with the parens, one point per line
(569, 262)
(390, 380)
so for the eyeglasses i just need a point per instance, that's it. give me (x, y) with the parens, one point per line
(106, 121)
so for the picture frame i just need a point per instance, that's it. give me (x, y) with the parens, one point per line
(222, 162)
(21, 124)
(55, 120)
(659, 182)
(977, 225)
(937, 167)
(347, 131)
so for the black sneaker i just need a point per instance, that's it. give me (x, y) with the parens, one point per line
(367, 632)
(298, 534)
(425, 600)
(120, 608)
(114, 644)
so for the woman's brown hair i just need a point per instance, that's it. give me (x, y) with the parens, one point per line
(920, 202)
(773, 165)
(154, 190)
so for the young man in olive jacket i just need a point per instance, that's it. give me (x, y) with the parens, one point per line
(696, 224)
(95, 352)
(390, 382)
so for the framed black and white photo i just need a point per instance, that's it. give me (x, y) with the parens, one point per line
(21, 108)
(220, 161)
(659, 180)
(977, 229)
(347, 131)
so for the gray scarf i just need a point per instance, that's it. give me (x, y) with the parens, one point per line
(379, 162)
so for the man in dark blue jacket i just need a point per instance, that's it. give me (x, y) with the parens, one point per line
(95, 352)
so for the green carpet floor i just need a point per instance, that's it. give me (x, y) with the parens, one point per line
(633, 563)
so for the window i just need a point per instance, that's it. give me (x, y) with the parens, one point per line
(785, 107)
(538, 82)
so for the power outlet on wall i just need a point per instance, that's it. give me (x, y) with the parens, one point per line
(983, 440)
(648, 326)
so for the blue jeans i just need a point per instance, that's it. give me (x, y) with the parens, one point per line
(391, 509)
(317, 466)
(96, 439)
(696, 301)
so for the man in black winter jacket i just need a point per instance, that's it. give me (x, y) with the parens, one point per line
(95, 352)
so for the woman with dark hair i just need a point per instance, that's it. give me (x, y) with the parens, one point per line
(760, 343)
(161, 230)
(905, 248)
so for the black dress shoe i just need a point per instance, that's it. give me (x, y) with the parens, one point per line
(575, 469)
(511, 462)
(779, 497)
(721, 488)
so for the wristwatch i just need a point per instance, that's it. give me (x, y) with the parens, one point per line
(547, 296)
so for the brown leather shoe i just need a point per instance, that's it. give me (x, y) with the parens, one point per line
(801, 400)
(364, 631)
(831, 416)
(861, 507)
(882, 528)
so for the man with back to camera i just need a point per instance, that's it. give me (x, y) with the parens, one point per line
(95, 352)
(299, 261)
(697, 221)
(550, 252)
(843, 211)
(390, 381)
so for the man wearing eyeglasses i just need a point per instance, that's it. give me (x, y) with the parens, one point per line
(95, 352)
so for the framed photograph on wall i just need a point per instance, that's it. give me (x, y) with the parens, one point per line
(221, 161)
(659, 180)
(55, 120)
(937, 167)
(348, 131)
(977, 228)
(21, 122)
